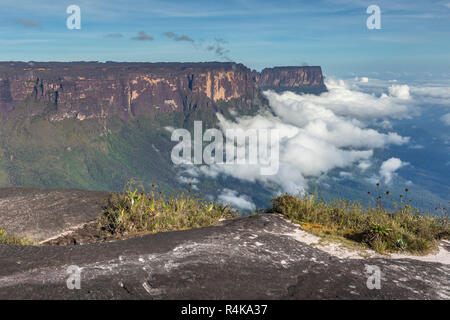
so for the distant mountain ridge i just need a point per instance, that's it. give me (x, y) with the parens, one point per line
(298, 79)
(83, 90)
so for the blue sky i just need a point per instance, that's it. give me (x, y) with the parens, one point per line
(414, 38)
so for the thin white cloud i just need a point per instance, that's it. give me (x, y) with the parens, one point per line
(143, 36)
(446, 119)
(345, 175)
(439, 95)
(23, 41)
(364, 80)
(364, 165)
(232, 197)
(187, 180)
(388, 168)
(29, 23)
(177, 37)
(114, 35)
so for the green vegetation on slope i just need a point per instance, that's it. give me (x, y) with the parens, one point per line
(401, 229)
(81, 154)
(93, 154)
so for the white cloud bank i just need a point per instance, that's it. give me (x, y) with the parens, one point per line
(319, 133)
(439, 95)
(343, 101)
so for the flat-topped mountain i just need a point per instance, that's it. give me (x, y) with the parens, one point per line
(84, 90)
(299, 79)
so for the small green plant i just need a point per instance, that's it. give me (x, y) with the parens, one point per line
(8, 238)
(401, 229)
(135, 211)
(377, 231)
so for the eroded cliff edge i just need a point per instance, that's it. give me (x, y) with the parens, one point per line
(83, 90)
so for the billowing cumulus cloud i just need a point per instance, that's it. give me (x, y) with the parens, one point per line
(317, 134)
(342, 100)
(400, 91)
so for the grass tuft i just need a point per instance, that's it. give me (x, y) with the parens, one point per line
(8, 238)
(137, 212)
(401, 229)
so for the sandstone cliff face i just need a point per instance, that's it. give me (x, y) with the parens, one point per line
(84, 90)
(308, 79)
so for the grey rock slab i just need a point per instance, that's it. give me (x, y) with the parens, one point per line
(246, 258)
(40, 214)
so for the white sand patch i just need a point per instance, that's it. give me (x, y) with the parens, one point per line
(65, 233)
(338, 250)
(442, 255)
(332, 248)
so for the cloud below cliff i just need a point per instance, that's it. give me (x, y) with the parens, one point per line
(320, 133)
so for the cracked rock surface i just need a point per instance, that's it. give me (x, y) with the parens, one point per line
(247, 258)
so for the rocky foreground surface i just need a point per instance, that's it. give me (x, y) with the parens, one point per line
(256, 257)
(40, 215)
